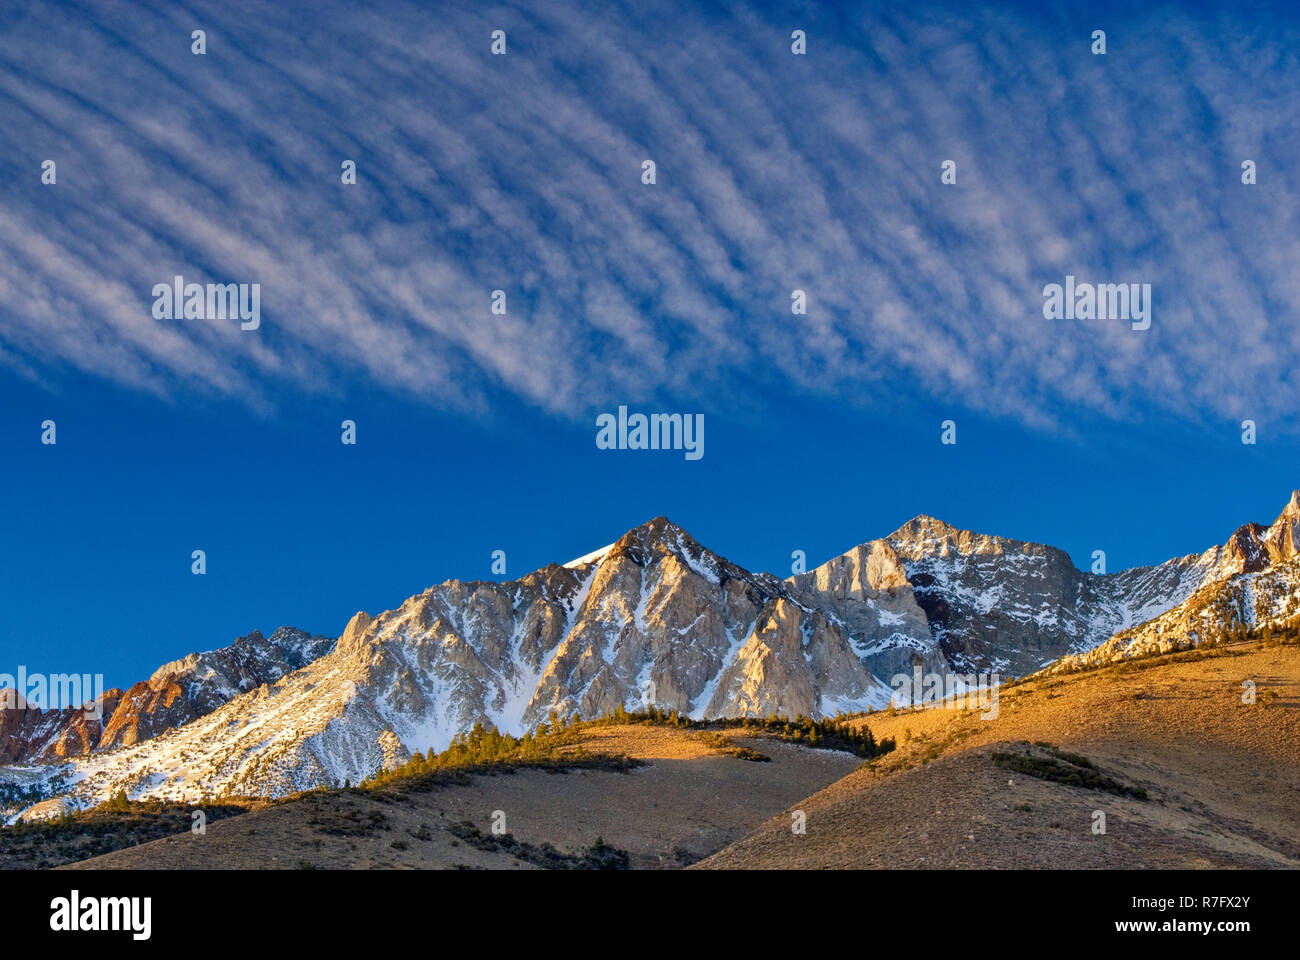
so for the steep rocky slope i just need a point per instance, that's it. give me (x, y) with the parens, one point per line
(996, 604)
(655, 619)
(175, 694)
(1250, 583)
(652, 619)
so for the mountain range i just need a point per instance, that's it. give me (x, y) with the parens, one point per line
(654, 619)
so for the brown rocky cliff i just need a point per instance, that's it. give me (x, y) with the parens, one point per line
(177, 693)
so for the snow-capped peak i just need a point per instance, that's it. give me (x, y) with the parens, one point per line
(594, 557)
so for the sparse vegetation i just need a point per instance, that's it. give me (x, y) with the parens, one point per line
(118, 823)
(484, 749)
(1070, 769)
(556, 745)
(599, 856)
(843, 731)
(728, 746)
(345, 821)
(1190, 649)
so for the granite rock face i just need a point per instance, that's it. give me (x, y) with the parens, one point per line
(175, 694)
(654, 619)
(1251, 582)
(867, 591)
(995, 604)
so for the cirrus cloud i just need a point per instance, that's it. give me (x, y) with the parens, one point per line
(775, 172)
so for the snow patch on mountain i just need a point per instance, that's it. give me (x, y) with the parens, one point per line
(655, 618)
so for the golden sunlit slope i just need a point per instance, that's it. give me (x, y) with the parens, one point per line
(1185, 773)
(685, 801)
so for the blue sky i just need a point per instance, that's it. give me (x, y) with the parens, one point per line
(522, 172)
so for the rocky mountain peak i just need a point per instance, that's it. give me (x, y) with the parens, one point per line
(1282, 539)
(653, 619)
(926, 536)
(659, 535)
(868, 567)
(1246, 550)
(354, 634)
(659, 540)
(1292, 509)
(176, 693)
(1254, 547)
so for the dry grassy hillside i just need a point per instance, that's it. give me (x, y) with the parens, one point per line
(687, 799)
(1186, 774)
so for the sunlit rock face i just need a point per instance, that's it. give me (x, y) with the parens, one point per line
(655, 619)
(175, 694)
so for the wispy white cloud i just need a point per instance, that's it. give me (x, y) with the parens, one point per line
(775, 172)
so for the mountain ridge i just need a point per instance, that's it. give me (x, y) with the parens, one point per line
(654, 619)
(175, 693)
